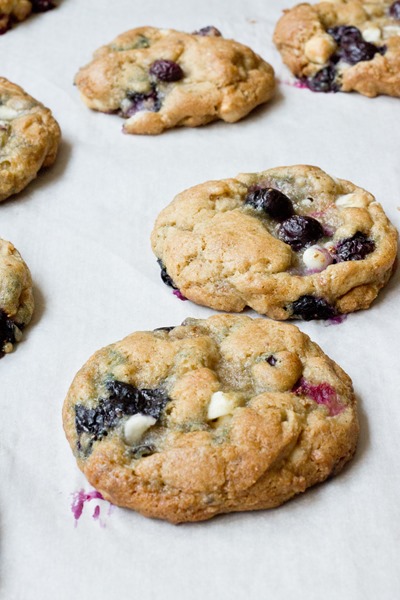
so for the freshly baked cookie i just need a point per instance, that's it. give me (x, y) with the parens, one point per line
(213, 416)
(16, 297)
(290, 242)
(343, 45)
(29, 138)
(12, 11)
(160, 78)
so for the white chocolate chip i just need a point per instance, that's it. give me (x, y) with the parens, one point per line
(319, 48)
(316, 258)
(355, 199)
(126, 104)
(330, 246)
(221, 404)
(7, 113)
(372, 34)
(136, 426)
(390, 30)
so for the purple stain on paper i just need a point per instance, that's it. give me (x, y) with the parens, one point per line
(322, 393)
(80, 498)
(337, 320)
(179, 295)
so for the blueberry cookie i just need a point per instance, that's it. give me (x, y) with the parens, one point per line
(12, 11)
(29, 138)
(16, 297)
(343, 45)
(213, 416)
(290, 242)
(160, 78)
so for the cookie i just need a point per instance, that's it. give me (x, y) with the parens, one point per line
(343, 45)
(213, 416)
(160, 78)
(13, 11)
(16, 297)
(290, 242)
(29, 138)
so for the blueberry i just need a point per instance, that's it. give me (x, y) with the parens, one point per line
(345, 31)
(271, 201)
(123, 399)
(355, 248)
(323, 81)
(97, 421)
(208, 31)
(39, 6)
(312, 307)
(352, 47)
(167, 329)
(271, 360)
(139, 101)
(164, 275)
(166, 70)
(152, 402)
(7, 331)
(354, 53)
(299, 231)
(394, 10)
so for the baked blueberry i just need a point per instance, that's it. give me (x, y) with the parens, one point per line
(137, 101)
(355, 248)
(123, 400)
(166, 70)
(164, 275)
(7, 331)
(300, 231)
(39, 6)
(323, 81)
(394, 10)
(210, 30)
(350, 34)
(322, 393)
(275, 204)
(309, 308)
(352, 46)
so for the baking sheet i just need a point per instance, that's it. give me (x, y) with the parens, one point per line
(83, 228)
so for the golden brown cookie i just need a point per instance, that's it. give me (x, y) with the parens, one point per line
(12, 11)
(343, 45)
(160, 78)
(290, 242)
(29, 138)
(16, 297)
(213, 416)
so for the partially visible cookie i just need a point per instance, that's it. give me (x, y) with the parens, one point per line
(214, 416)
(290, 242)
(29, 138)
(16, 297)
(12, 11)
(343, 45)
(160, 78)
